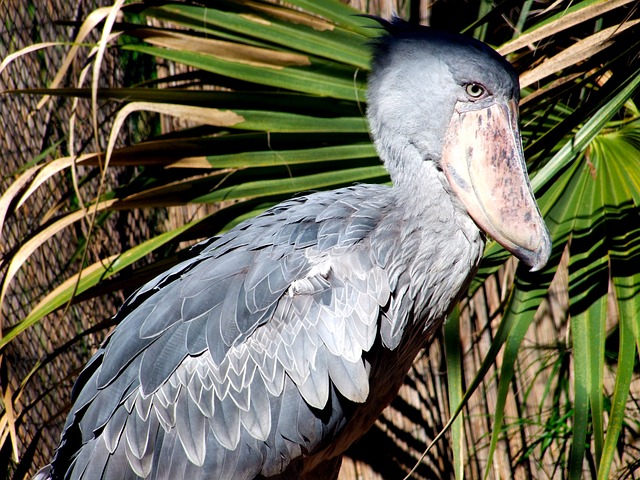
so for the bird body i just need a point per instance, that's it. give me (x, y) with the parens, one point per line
(276, 345)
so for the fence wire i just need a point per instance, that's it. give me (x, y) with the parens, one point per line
(30, 135)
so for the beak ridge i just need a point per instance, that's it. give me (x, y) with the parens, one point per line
(484, 163)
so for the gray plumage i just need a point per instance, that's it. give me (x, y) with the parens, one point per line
(278, 344)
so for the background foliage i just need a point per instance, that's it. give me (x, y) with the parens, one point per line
(270, 100)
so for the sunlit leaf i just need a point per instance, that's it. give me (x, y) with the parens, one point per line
(454, 377)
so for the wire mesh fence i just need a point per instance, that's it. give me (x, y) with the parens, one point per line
(31, 134)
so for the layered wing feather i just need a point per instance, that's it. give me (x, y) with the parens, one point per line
(238, 360)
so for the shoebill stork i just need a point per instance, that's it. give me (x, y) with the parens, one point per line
(278, 344)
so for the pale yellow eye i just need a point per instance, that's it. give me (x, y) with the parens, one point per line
(474, 90)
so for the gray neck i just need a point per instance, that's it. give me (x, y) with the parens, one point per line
(440, 245)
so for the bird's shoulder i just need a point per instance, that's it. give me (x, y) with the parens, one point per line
(260, 260)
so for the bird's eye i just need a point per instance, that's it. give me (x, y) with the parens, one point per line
(474, 90)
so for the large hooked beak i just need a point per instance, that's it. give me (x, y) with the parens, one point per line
(484, 163)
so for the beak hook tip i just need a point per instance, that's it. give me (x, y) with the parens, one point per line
(541, 256)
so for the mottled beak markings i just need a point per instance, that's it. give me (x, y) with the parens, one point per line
(484, 162)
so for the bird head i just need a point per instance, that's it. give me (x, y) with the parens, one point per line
(448, 99)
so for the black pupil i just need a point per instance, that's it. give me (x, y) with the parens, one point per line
(475, 89)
